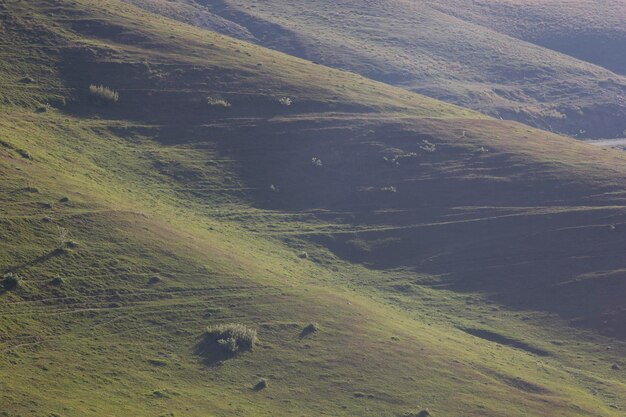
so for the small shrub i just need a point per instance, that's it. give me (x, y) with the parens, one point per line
(71, 244)
(62, 236)
(104, 93)
(427, 146)
(57, 281)
(160, 394)
(309, 329)
(64, 200)
(58, 101)
(11, 281)
(262, 384)
(228, 345)
(285, 101)
(312, 328)
(154, 280)
(422, 413)
(217, 102)
(24, 154)
(63, 240)
(226, 340)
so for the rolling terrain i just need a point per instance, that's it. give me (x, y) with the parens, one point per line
(447, 261)
(593, 31)
(538, 69)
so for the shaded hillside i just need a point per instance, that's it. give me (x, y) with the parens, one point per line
(438, 52)
(483, 206)
(593, 31)
(209, 181)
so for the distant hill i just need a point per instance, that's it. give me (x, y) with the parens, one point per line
(593, 31)
(501, 59)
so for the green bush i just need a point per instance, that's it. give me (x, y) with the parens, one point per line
(71, 244)
(57, 281)
(227, 340)
(11, 281)
(104, 93)
(262, 384)
(155, 279)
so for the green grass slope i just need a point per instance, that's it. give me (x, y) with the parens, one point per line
(135, 224)
(439, 49)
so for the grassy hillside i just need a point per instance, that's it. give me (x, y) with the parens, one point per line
(593, 31)
(194, 200)
(444, 50)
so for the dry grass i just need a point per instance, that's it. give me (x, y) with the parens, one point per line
(228, 339)
(217, 102)
(104, 93)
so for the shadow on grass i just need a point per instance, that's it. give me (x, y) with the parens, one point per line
(39, 260)
(261, 385)
(506, 341)
(212, 352)
(309, 330)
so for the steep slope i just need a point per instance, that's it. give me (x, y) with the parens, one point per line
(436, 49)
(136, 223)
